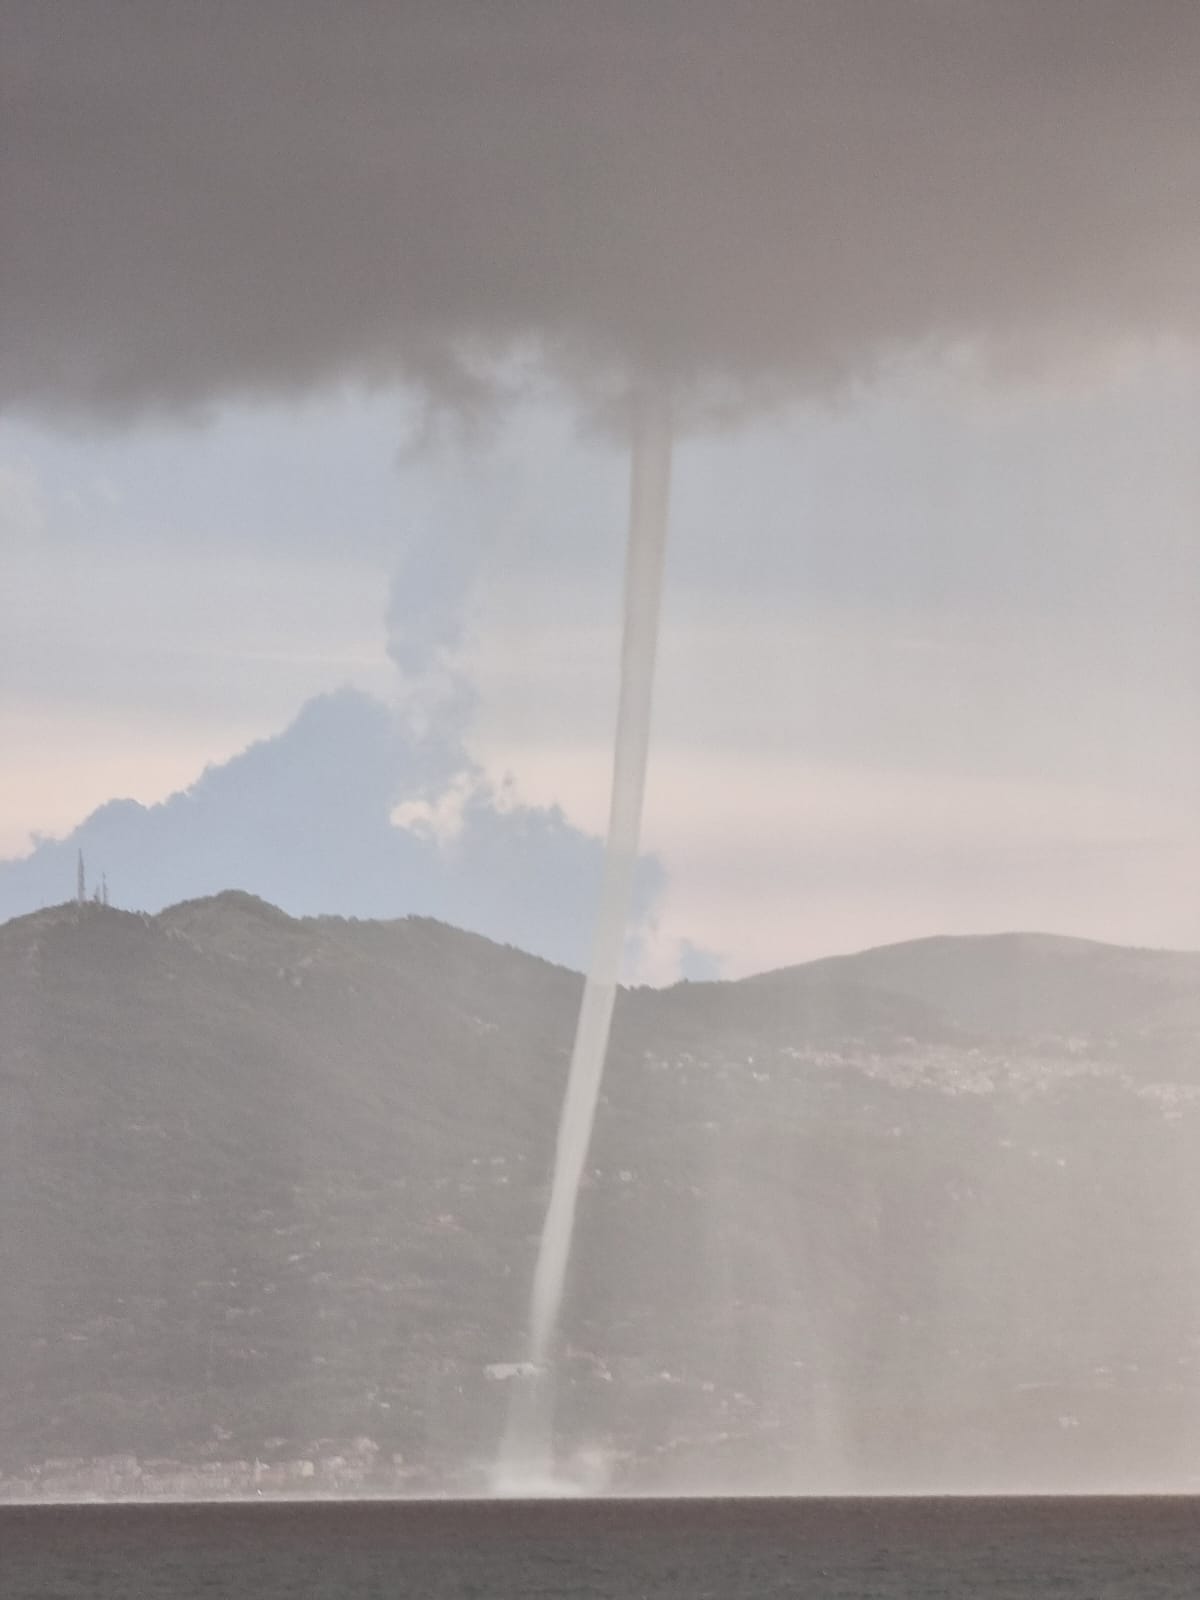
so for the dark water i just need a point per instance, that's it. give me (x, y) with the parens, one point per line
(638, 1550)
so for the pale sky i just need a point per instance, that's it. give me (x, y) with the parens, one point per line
(928, 661)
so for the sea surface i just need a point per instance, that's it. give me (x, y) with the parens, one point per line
(1044, 1549)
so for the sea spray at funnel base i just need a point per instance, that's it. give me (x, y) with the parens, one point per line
(528, 1446)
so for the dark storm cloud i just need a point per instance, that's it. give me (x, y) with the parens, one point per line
(208, 197)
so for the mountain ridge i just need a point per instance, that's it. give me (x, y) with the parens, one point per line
(272, 1187)
(1032, 940)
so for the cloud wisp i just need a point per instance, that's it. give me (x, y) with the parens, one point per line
(346, 812)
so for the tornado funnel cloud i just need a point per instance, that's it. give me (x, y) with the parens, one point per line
(528, 1442)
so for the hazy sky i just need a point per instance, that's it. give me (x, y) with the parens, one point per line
(930, 654)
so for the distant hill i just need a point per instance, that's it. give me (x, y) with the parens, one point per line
(926, 1217)
(1018, 984)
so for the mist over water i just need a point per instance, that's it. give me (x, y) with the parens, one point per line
(528, 1447)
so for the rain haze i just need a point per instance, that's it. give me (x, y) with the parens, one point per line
(324, 342)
